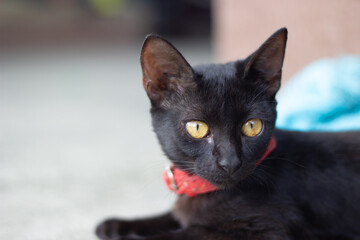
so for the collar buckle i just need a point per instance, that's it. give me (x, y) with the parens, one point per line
(171, 178)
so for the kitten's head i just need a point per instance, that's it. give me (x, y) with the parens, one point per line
(214, 121)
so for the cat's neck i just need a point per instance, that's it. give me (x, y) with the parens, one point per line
(192, 185)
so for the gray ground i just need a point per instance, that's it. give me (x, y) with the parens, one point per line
(76, 144)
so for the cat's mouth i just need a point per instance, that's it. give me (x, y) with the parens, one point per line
(228, 181)
(214, 175)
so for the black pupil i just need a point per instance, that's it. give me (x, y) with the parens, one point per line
(252, 125)
(197, 127)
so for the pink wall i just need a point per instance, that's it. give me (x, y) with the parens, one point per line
(317, 28)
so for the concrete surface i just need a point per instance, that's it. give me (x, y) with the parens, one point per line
(76, 143)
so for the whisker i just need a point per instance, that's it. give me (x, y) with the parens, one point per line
(257, 95)
(287, 160)
(245, 144)
(267, 175)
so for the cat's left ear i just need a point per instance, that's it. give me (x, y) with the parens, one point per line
(166, 73)
(267, 61)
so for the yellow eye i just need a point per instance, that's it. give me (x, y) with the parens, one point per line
(252, 127)
(197, 129)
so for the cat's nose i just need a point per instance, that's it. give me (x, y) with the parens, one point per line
(229, 165)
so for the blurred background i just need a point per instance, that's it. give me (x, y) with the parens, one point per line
(76, 142)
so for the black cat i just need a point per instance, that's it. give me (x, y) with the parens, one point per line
(216, 124)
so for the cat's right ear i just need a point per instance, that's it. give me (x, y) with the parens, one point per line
(165, 71)
(267, 61)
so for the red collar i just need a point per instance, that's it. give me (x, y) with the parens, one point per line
(184, 183)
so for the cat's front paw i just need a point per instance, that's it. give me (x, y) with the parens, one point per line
(112, 229)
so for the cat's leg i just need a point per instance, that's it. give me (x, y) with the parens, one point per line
(113, 228)
(207, 233)
(257, 228)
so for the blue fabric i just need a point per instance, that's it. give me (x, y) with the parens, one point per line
(325, 96)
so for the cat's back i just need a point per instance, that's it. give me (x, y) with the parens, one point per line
(320, 173)
(321, 147)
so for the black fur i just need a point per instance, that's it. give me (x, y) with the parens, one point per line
(308, 188)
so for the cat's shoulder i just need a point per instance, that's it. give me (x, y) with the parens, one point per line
(324, 146)
(345, 137)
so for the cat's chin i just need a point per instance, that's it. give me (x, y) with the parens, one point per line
(225, 184)
(228, 182)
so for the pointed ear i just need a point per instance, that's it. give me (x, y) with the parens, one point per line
(267, 61)
(165, 70)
